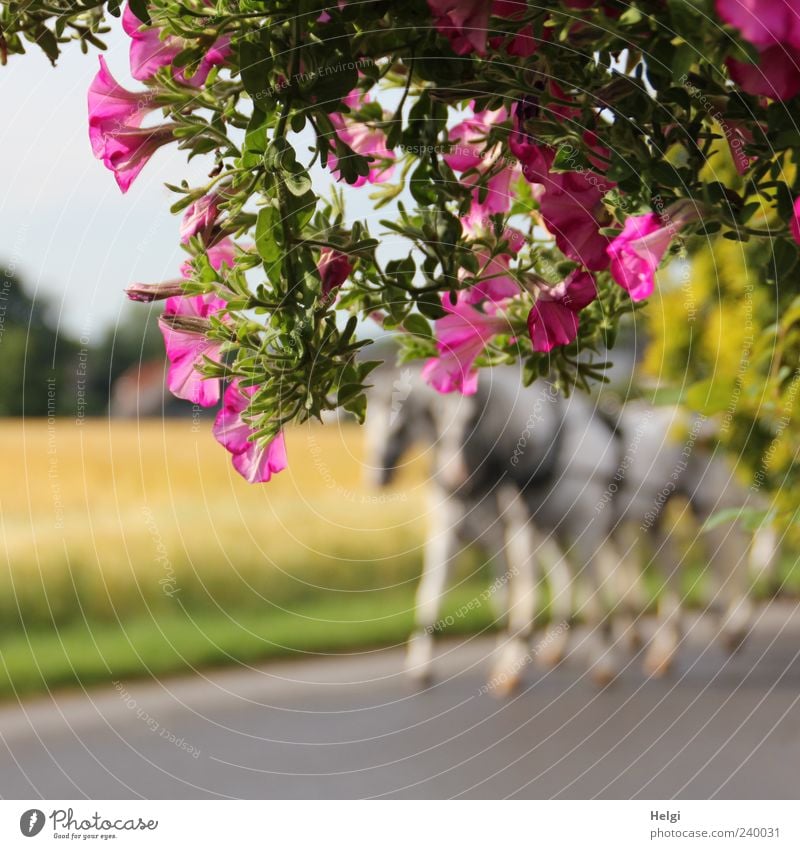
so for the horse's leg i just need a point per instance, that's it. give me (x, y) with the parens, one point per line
(763, 558)
(514, 650)
(631, 599)
(589, 548)
(612, 625)
(730, 551)
(729, 564)
(440, 549)
(668, 555)
(552, 647)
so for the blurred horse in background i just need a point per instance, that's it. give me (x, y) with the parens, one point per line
(536, 478)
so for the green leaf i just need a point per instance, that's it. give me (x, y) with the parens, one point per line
(255, 64)
(268, 225)
(139, 8)
(418, 325)
(297, 181)
(422, 187)
(751, 518)
(255, 140)
(280, 156)
(685, 56)
(351, 165)
(348, 392)
(430, 306)
(328, 89)
(709, 396)
(47, 41)
(300, 209)
(403, 270)
(358, 407)
(784, 259)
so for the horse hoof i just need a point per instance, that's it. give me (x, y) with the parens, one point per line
(503, 685)
(634, 639)
(552, 649)
(419, 659)
(736, 626)
(733, 641)
(603, 674)
(658, 664)
(419, 677)
(512, 657)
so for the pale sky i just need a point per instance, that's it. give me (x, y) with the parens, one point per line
(64, 224)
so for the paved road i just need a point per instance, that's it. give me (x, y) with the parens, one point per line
(354, 727)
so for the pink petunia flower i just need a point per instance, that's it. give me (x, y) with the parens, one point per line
(764, 22)
(494, 283)
(777, 74)
(115, 116)
(468, 153)
(523, 43)
(255, 464)
(553, 319)
(188, 347)
(200, 217)
(111, 106)
(334, 268)
(463, 22)
(461, 337)
(571, 202)
(127, 151)
(222, 253)
(364, 140)
(774, 28)
(149, 51)
(572, 210)
(636, 253)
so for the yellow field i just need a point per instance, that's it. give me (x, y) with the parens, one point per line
(112, 516)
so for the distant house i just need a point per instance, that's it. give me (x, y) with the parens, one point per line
(141, 392)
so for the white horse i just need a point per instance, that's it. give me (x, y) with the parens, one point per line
(528, 474)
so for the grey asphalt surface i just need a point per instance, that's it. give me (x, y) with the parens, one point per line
(353, 726)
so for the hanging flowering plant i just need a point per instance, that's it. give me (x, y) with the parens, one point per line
(534, 165)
